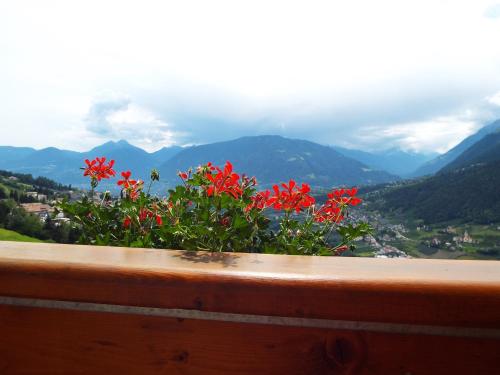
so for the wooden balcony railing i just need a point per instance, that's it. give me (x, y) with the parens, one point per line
(100, 310)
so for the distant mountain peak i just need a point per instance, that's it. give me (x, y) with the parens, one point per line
(484, 151)
(273, 158)
(111, 146)
(392, 160)
(443, 160)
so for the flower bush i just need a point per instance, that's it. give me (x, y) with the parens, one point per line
(214, 209)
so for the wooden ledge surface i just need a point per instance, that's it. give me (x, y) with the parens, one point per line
(412, 291)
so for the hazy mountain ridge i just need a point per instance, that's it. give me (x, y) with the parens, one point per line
(274, 158)
(467, 189)
(441, 161)
(271, 158)
(486, 150)
(395, 161)
(64, 165)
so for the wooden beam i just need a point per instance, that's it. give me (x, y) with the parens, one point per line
(74, 309)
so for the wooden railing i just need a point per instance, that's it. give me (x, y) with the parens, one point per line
(100, 310)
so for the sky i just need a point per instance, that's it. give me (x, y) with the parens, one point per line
(418, 75)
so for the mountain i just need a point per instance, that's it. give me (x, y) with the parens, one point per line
(166, 153)
(465, 194)
(394, 161)
(441, 161)
(10, 153)
(64, 165)
(126, 156)
(484, 151)
(60, 165)
(274, 159)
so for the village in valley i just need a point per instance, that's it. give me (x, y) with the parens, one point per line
(398, 237)
(393, 236)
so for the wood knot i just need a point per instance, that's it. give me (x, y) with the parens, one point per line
(182, 357)
(198, 303)
(344, 353)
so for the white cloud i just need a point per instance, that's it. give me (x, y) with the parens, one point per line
(119, 118)
(434, 135)
(493, 11)
(494, 99)
(323, 70)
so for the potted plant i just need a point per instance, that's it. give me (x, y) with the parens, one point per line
(214, 209)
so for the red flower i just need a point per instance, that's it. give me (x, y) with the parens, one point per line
(330, 212)
(134, 190)
(98, 168)
(126, 182)
(339, 250)
(336, 203)
(225, 221)
(183, 175)
(158, 220)
(339, 197)
(352, 192)
(291, 197)
(131, 187)
(224, 181)
(354, 201)
(126, 222)
(260, 200)
(144, 213)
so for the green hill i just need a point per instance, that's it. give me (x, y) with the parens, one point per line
(484, 151)
(441, 161)
(10, 235)
(468, 195)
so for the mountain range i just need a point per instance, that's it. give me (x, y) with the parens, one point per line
(396, 161)
(270, 158)
(64, 165)
(484, 151)
(466, 189)
(441, 161)
(274, 158)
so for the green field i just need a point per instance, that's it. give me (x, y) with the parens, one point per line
(9, 235)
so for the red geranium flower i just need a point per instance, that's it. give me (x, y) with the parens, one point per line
(291, 198)
(339, 197)
(260, 201)
(126, 222)
(158, 220)
(98, 168)
(336, 203)
(134, 190)
(330, 212)
(339, 250)
(225, 221)
(224, 181)
(144, 213)
(126, 182)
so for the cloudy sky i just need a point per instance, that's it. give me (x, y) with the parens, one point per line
(420, 75)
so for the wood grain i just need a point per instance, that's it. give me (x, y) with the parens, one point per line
(50, 341)
(454, 293)
(36, 340)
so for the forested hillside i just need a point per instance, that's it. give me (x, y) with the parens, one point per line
(470, 194)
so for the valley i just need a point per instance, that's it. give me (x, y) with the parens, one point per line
(453, 212)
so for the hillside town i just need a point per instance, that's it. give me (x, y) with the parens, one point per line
(393, 239)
